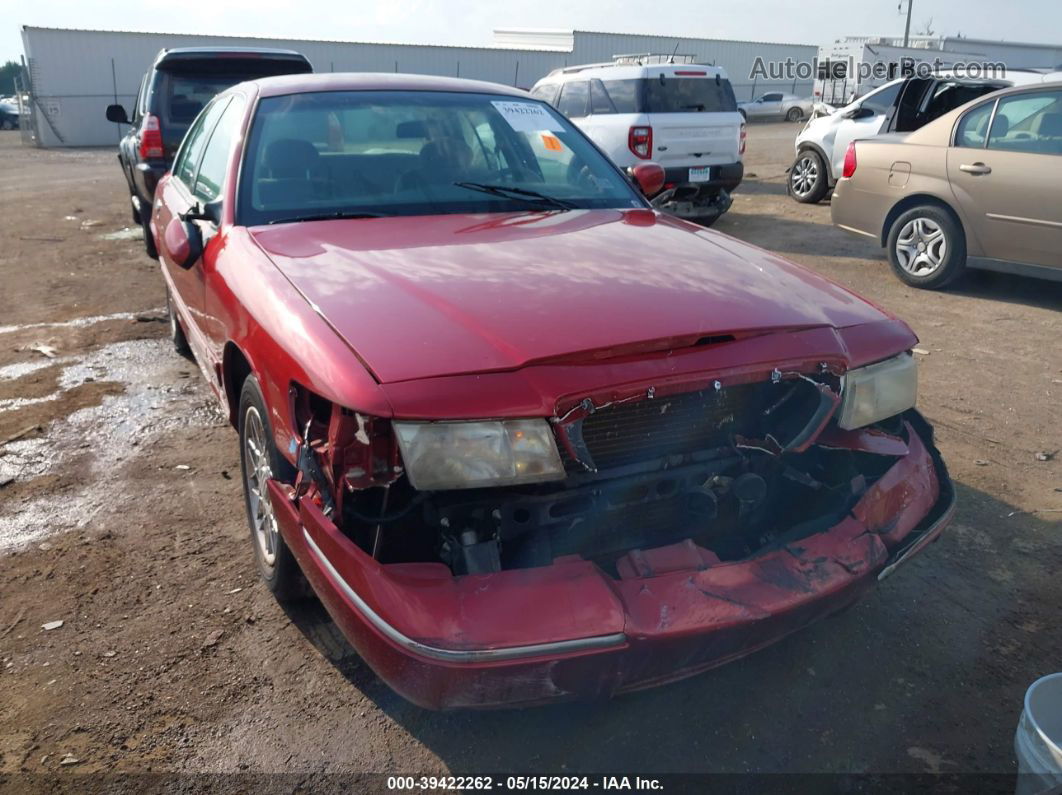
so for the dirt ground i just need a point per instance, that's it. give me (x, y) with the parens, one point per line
(121, 516)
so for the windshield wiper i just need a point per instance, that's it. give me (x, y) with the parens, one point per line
(327, 216)
(699, 107)
(508, 191)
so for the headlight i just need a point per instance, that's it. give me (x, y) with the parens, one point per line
(467, 455)
(878, 391)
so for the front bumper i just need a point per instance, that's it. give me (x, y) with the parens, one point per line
(569, 631)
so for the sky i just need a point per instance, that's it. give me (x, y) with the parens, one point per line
(472, 21)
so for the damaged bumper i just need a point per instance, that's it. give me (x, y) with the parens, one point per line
(570, 630)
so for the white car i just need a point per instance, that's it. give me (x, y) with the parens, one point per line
(901, 106)
(681, 115)
(776, 105)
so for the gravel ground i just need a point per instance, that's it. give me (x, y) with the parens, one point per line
(121, 516)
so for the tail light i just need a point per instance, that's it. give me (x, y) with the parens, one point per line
(640, 141)
(742, 139)
(150, 137)
(849, 161)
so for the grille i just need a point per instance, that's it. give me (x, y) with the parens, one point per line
(644, 430)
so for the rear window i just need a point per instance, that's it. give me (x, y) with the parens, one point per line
(689, 95)
(187, 85)
(671, 95)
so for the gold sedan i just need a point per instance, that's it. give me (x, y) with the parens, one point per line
(981, 187)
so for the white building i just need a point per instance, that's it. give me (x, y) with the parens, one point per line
(75, 74)
(866, 62)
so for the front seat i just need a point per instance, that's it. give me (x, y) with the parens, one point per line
(290, 167)
(440, 162)
(290, 158)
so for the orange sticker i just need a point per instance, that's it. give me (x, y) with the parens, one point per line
(552, 143)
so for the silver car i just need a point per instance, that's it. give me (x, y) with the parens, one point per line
(776, 105)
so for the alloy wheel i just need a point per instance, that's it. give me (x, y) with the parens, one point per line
(805, 175)
(257, 474)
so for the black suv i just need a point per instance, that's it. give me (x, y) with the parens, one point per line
(177, 86)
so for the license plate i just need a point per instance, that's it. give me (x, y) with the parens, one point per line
(701, 174)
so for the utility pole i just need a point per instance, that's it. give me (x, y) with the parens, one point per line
(907, 29)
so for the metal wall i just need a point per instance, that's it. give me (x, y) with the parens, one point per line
(75, 74)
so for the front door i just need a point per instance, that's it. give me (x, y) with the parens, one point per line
(1009, 182)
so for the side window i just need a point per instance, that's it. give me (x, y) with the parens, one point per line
(187, 162)
(599, 99)
(216, 156)
(881, 101)
(623, 93)
(1028, 123)
(772, 97)
(973, 127)
(546, 92)
(573, 97)
(141, 100)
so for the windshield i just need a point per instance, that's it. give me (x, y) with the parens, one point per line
(341, 153)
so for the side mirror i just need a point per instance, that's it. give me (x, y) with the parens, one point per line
(649, 177)
(859, 112)
(183, 242)
(116, 113)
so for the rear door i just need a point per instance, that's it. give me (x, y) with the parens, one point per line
(1005, 170)
(694, 119)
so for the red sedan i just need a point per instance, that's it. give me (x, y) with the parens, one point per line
(524, 437)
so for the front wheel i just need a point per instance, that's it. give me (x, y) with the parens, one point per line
(794, 114)
(260, 462)
(177, 335)
(807, 178)
(927, 247)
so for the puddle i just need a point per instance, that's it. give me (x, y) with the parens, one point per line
(80, 322)
(127, 233)
(156, 400)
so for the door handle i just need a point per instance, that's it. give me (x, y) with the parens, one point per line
(976, 169)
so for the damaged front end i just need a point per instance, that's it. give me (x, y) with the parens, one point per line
(671, 529)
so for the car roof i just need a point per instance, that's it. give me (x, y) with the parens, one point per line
(631, 71)
(376, 81)
(192, 53)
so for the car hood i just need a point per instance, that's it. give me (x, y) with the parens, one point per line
(453, 294)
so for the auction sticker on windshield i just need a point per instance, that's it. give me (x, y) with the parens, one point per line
(527, 116)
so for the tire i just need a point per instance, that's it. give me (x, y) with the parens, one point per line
(7, 124)
(794, 114)
(149, 239)
(177, 336)
(807, 181)
(259, 461)
(927, 247)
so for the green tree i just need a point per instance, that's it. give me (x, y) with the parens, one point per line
(8, 72)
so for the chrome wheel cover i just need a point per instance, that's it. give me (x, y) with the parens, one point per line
(921, 247)
(257, 473)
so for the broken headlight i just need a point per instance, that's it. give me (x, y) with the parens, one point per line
(878, 391)
(467, 455)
